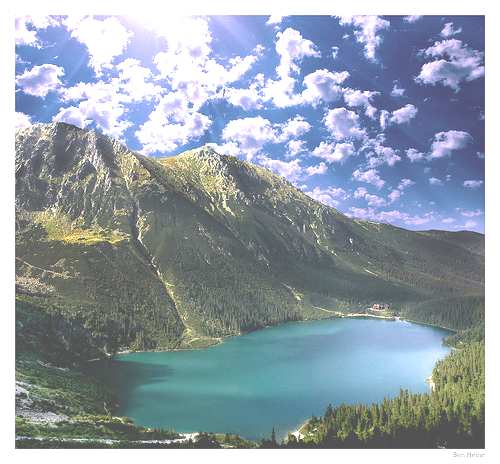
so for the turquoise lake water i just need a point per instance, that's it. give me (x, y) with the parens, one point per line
(276, 377)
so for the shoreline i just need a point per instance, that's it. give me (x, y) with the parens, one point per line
(219, 340)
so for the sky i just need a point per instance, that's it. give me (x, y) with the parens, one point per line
(381, 117)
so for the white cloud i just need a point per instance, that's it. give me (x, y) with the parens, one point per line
(358, 98)
(405, 183)
(334, 152)
(435, 181)
(360, 192)
(390, 216)
(448, 220)
(412, 18)
(470, 213)
(171, 124)
(105, 39)
(320, 168)
(291, 170)
(292, 48)
(470, 224)
(445, 143)
(370, 176)
(457, 63)
(21, 120)
(295, 147)
(329, 196)
(384, 119)
(40, 80)
(293, 128)
(343, 124)
(448, 30)
(414, 155)
(480, 154)
(397, 91)
(473, 184)
(135, 81)
(335, 52)
(375, 200)
(251, 134)
(366, 31)
(274, 20)
(26, 28)
(323, 85)
(404, 114)
(104, 101)
(72, 115)
(378, 154)
(394, 195)
(247, 98)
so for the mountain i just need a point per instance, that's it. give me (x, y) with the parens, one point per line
(116, 250)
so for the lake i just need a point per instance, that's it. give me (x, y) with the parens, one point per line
(275, 377)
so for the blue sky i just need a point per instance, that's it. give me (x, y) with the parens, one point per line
(379, 117)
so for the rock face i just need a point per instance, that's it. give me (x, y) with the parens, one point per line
(151, 253)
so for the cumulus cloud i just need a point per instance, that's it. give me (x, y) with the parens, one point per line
(360, 192)
(251, 134)
(448, 220)
(370, 176)
(404, 114)
(334, 152)
(273, 20)
(249, 98)
(435, 181)
(323, 85)
(366, 31)
(72, 115)
(454, 63)
(470, 213)
(343, 124)
(412, 18)
(378, 154)
(295, 147)
(105, 39)
(400, 116)
(26, 28)
(292, 48)
(444, 143)
(375, 200)
(473, 184)
(21, 120)
(171, 124)
(330, 196)
(104, 101)
(448, 30)
(320, 168)
(291, 170)
(293, 128)
(391, 216)
(397, 91)
(394, 195)
(40, 80)
(358, 98)
(398, 192)
(414, 155)
(335, 52)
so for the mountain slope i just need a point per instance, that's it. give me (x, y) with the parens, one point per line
(130, 251)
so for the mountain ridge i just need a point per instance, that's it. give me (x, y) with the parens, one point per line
(148, 253)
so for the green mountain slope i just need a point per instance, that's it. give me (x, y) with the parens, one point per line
(125, 251)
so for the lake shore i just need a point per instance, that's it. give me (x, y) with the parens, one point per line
(218, 340)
